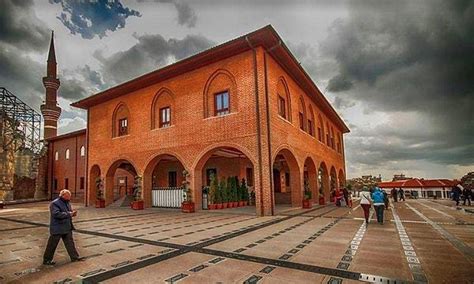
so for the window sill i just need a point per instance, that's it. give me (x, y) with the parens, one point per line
(284, 120)
(220, 116)
(119, 137)
(163, 128)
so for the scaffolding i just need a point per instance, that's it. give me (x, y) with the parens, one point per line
(20, 122)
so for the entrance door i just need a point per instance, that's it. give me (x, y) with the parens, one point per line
(276, 180)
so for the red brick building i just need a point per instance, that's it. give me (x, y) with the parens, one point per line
(244, 108)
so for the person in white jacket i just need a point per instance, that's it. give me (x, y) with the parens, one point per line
(365, 203)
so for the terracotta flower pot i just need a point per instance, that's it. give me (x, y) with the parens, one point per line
(321, 200)
(241, 203)
(235, 204)
(231, 204)
(219, 206)
(225, 205)
(212, 206)
(137, 205)
(307, 203)
(100, 204)
(187, 207)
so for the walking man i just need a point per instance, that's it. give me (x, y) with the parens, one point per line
(377, 197)
(365, 203)
(456, 194)
(394, 194)
(402, 194)
(467, 192)
(61, 227)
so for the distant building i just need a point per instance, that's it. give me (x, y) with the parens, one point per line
(400, 177)
(424, 188)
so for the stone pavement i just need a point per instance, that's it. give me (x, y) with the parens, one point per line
(421, 241)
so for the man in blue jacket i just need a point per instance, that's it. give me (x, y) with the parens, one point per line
(379, 204)
(61, 227)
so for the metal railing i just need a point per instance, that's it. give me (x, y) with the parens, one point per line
(167, 197)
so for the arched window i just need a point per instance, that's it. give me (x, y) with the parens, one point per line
(328, 136)
(311, 121)
(56, 156)
(302, 114)
(320, 129)
(120, 121)
(83, 151)
(162, 109)
(67, 154)
(220, 94)
(283, 100)
(333, 144)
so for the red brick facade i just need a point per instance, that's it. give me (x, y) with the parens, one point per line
(255, 70)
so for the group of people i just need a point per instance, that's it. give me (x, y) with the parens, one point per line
(459, 192)
(397, 194)
(376, 197)
(343, 196)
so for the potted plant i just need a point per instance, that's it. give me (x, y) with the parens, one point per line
(137, 204)
(224, 194)
(213, 192)
(235, 192)
(219, 195)
(188, 205)
(99, 190)
(245, 192)
(307, 195)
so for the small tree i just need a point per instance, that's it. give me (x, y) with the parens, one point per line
(137, 188)
(307, 190)
(213, 189)
(233, 186)
(229, 193)
(186, 189)
(244, 190)
(99, 185)
(222, 192)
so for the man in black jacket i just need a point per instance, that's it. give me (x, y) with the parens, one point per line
(467, 193)
(61, 227)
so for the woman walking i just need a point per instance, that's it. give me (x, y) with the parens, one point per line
(377, 197)
(365, 203)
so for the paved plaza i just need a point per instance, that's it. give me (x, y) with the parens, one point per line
(421, 241)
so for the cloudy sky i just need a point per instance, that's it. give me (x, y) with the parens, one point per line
(400, 73)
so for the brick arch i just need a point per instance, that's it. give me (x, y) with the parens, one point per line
(94, 173)
(323, 181)
(296, 187)
(283, 90)
(120, 111)
(204, 156)
(311, 175)
(221, 80)
(164, 97)
(150, 165)
(341, 178)
(109, 176)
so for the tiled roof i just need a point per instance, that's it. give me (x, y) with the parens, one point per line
(417, 183)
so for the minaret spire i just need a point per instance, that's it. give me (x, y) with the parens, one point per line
(49, 108)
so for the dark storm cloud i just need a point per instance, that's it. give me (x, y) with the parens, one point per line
(409, 56)
(20, 27)
(150, 53)
(93, 17)
(73, 89)
(186, 15)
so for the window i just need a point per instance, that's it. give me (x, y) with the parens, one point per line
(310, 127)
(320, 135)
(123, 127)
(208, 175)
(249, 173)
(301, 116)
(81, 183)
(55, 184)
(287, 179)
(172, 182)
(83, 151)
(281, 107)
(222, 103)
(66, 183)
(165, 117)
(67, 154)
(56, 156)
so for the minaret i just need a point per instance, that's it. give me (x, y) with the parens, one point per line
(50, 110)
